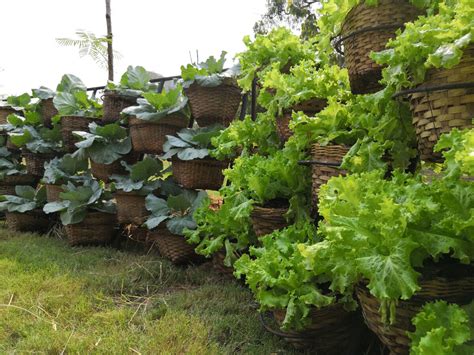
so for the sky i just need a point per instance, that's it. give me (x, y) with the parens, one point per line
(157, 34)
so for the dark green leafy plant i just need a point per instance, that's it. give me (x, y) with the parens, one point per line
(177, 210)
(76, 201)
(134, 82)
(68, 168)
(37, 139)
(19, 102)
(43, 93)
(10, 164)
(27, 198)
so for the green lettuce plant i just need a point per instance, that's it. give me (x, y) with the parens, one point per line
(27, 199)
(457, 148)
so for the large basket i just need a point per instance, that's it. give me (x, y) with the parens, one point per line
(130, 208)
(203, 174)
(149, 137)
(70, 124)
(455, 289)
(309, 107)
(332, 330)
(114, 103)
(325, 165)
(7, 185)
(31, 221)
(4, 112)
(104, 171)
(267, 220)
(173, 247)
(438, 111)
(52, 192)
(48, 111)
(35, 162)
(210, 105)
(367, 29)
(97, 228)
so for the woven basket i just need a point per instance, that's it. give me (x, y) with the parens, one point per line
(367, 29)
(203, 174)
(104, 171)
(309, 107)
(437, 112)
(35, 162)
(130, 208)
(149, 137)
(4, 112)
(48, 111)
(7, 185)
(458, 289)
(70, 124)
(97, 228)
(211, 105)
(114, 103)
(267, 220)
(12, 147)
(31, 221)
(52, 192)
(332, 330)
(321, 173)
(173, 247)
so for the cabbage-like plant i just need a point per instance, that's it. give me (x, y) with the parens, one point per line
(10, 164)
(68, 168)
(27, 198)
(39, 139)
(134, 82)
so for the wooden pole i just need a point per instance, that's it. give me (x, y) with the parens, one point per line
(110, 52)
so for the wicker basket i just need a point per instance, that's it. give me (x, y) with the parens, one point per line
(4, 112)
(104, 171)
(48, 111)
(203, 174)
(438, 111)
(173, 247)
(130, 208)
(12, 147)
(309, 107)
(367, 29)
(35, 162)
(210, 105)
(114, 103)
(31, 221)
(458, 289)
(267, 220)
(70, 124)
(52, 192)
(326, 162)
(332, 330)
(7, 185)
(96, 228)
(149, 137)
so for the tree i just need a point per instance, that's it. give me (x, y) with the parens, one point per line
(299, 15)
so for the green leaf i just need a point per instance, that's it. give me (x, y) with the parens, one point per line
(135, 78)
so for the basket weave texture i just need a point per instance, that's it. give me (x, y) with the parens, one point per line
(31, 221)
(309, 107)
(266, 220)
(23, 179)
(35, 162)
(114, 103)
(203, 174)
(7, 190)
(4, 112)
(12, 147)
(149, 137)
(210, 105)
(437, 112)
(96, 228)
(70, 124)
(364, 73)
(48, 111)
(130, 208)
(332, 330)
(322, 173)
(173, 247)
(52, 192)
(104, 171)
(455, 290)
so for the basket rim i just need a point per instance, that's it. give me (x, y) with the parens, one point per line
(434, 88)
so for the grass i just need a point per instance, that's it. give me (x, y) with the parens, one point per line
(55, 299)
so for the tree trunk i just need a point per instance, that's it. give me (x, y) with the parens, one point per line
(110, 53)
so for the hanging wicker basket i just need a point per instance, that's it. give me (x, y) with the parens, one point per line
(211, 105)
(31, 221)
(203, 174)
(7, 185)
(35, 162)
(309, 107)
(455, 289)
(114, 103)
(149, 137)
(173, 247)
(48, 111)
(267, 220)
(70, 124)
(5, 111)
(97, 228)
(130, 208)
(367, 29)
(332, 330)
(104, 171)
(436, 110)
(52, 192)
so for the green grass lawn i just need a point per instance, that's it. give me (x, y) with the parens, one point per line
(57, 299)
